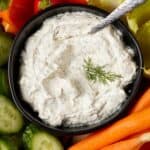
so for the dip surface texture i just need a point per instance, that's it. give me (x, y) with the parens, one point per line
(52, 77)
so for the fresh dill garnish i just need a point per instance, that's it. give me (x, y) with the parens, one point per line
(98, 73)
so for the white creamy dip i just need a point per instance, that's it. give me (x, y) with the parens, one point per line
(52, 77)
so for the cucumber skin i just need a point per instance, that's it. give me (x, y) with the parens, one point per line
(9, 143)
(28, 134)
(5, 144)
(31, 132)
(4, 85)
(19, 114)
(15, 140)
(40, 135)
(5, 45)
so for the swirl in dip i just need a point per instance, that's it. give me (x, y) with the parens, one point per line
(53, 79)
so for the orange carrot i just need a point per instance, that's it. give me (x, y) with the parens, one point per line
(134, 143)
(9, 27)
(5, 15)
(130, 125)
(7, 23)
(143, 102)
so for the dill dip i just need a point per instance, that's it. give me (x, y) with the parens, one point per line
(71, 79)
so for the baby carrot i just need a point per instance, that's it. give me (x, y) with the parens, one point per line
(143, 102)
(134, 143)
(130, 125)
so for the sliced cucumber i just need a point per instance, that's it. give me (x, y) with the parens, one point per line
(4, 86)
(36, 139)
(28, 135)
(11, 120)
(13, 140)
(4, 145)
(5, 45)
(44, 141)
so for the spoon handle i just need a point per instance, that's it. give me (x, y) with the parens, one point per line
(125, 7)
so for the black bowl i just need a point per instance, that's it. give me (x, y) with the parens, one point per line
(14, 63)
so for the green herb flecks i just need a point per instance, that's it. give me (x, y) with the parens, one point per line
(98, 73)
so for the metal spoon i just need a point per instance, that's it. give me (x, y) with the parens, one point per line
(125, 7)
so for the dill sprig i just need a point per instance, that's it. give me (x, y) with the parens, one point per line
(98, 73)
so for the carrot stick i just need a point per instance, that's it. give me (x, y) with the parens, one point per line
(143, 102)
(134, 143)
(130, 125)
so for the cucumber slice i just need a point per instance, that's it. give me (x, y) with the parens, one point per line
(28, 134)
(5, 45)
(11, 120)
(4, 145)
(7, 143)
(36, 139)
(44, 141)
(4, 85)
